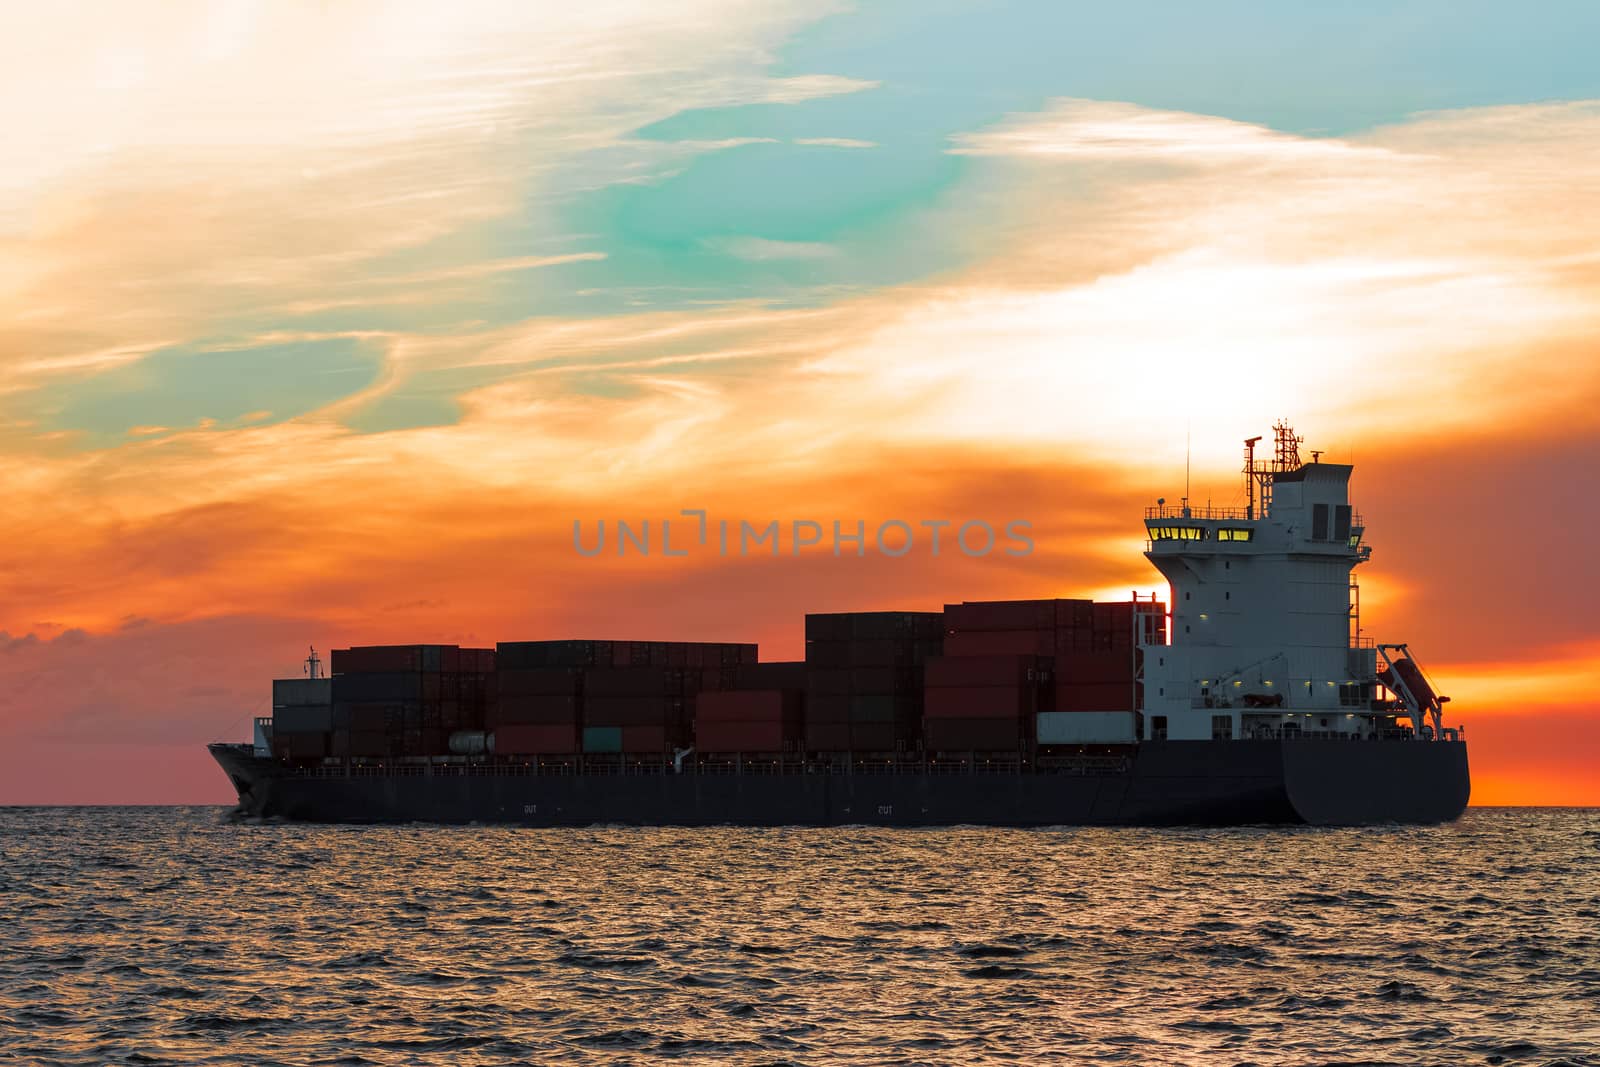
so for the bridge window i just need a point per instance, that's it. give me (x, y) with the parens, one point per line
(1233, 533)
(1319, 522)
(1178, 533)
(1341, 522)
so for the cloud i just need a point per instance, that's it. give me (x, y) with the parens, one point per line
(835, 142)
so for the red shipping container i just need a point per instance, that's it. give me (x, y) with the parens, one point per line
(741, 736)
(973, 735)
(985, 702)
(1079, 668)
(535, 740)
(1001, 643)
(749, 705)
(644, 739)
(986, 670)
(1102, 696)
(539, 680)
(298, 746)
(1113, 616)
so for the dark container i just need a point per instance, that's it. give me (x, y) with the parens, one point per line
(1079, 668)
(780, 675)
(633, 681)
(647, 739)
(827, 736)
(300, 745)
(990, 615)
(1000, 643)
(536, 740)
(987, 670)
(531, 681)
(1099, 696)
(537, 710)
(827, 707)
(981, 702)
(743, 736)
(632, 711)
(973, 735)
(747, 705)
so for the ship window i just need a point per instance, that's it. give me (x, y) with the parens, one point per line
(1158, 728)
(1341, 521)
(1186, 596)
(1222, 727)
(1319, 522)
(1231, 533)
(1178, 533)
(1227, 595)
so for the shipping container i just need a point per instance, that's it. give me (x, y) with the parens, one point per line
(1088, 727)
(542, 709)
(638, 681)
(632, 710)
(743, 736)
(1000, 643)
(981, 702)
(645, 740)
(987, 670)
(827, 736)
(374, 686)
(1080, 668)
(763, 705)
(602, 739)
(1096, 696)
(875, 737)
(535, 740)
(780, 675)
(992, 615)
(302, 719)
(973, 735)
(531, 681)
(875, 625)
(301, 692)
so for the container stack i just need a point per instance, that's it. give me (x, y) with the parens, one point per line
(748, 721)
(406, 700)
(600, 697)
(864, 678)
(537, 710)
(302, 718)
(983, 703)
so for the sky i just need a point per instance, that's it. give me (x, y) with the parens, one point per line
(325, 323)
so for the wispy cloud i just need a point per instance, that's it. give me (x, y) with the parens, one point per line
(758, 249)
(835, 142)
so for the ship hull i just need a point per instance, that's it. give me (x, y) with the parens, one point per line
(1203, 783)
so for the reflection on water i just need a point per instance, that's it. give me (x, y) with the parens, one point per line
(174, 935)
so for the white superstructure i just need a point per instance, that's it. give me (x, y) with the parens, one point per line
(1265, 628)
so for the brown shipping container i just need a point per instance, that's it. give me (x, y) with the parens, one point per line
(973, 735)
(873, 737)
(631, 711)
(1074, 614)
(1113, 616)
(980, 702)
(749, 705)
(742, 736)
(361, 743)
(987, 670)
(1001, 643)
(1078, 668)
(828, 681)
(539, 680)
(529, 740)
(1102, 696)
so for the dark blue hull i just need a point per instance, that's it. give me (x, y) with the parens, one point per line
(1215, 783)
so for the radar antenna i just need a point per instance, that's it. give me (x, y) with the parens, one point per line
(313, 665)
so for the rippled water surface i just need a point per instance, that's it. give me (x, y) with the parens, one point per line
(172, 935)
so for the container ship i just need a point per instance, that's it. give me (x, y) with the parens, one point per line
(1252, 696)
